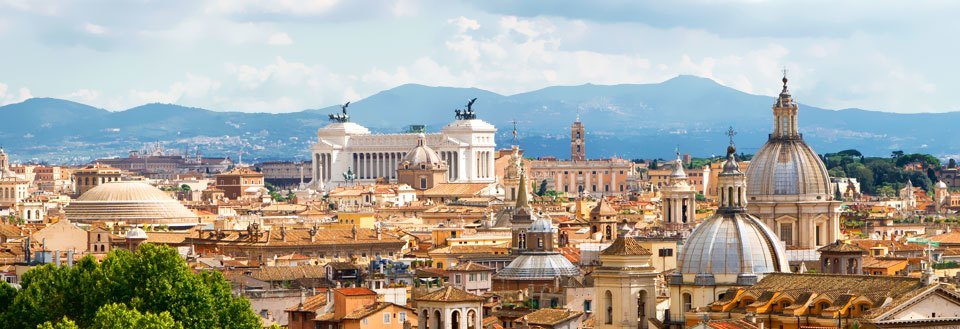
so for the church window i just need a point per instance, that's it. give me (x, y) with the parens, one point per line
(539, 242)
(522, 240)
(786, 233)
(608, 303)
(423, 182)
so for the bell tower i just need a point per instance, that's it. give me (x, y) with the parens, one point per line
(578, 151)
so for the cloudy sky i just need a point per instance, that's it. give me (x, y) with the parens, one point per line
(288, 55)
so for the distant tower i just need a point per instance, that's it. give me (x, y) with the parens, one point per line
(678, 206)
(4, 161)
(578, 149)
(940, 193)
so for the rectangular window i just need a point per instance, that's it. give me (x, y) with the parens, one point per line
(365, 321)
(666, 252)
(456, 279)
(473, 277)
(483, 276)
(403, 317)
(386, 318)
(786, 233)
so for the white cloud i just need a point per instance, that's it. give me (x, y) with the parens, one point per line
(8, 96)
(94, 28)
(464, 24)
(194, 87)
(280, 39)
(289, 7)
(83, 96)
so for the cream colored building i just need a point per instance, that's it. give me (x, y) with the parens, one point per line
(728, 250)
(789, 186)
(625, 286)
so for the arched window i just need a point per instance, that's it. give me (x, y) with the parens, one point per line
(522, 240)
(455, 319)
(608, 305)
(471, 319)
(687, 302)
(539, 242)
(609, 232)
(730, 196)
(439, 320)
(642, 306)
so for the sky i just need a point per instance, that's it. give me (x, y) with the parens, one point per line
(290, 55)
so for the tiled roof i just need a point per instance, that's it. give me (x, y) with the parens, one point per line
(625, 247)
(355, 291)
(840, 246)
(450, 294)
(469, 266)
(603, 208)
(872, 262)
(368, 310)
(549, 316)
(311, 304)
(289, 273)
(464, 189)
(731, 324)
(890, 286)
(297, 237)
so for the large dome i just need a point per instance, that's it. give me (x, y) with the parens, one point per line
(787, 167)
(732, 243)
(129, 202)
(538, 266)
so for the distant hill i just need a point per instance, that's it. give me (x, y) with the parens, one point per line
(629, 120)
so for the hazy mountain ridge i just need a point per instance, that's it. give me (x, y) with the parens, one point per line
(631, 120)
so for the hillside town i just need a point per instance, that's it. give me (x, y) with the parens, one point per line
(448, 229)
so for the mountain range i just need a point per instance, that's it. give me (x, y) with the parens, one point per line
(628, 120)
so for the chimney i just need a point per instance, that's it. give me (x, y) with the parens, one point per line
(70, 258)
(56, 257)
(283, 233)
(303, 298)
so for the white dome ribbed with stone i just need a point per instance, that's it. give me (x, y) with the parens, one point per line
(422, 154)
(136, 233)
(786, 165)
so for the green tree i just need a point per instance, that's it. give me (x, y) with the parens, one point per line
(153, 280)
(951, 163)
(185, 188)
(837, 172)
(118, 316)
(64, 323)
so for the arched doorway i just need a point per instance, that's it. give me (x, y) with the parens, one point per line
(438, 321)
(455, 319)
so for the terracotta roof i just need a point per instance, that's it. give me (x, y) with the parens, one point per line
(549, 316)
(311, 304)
(355, 291)
(464, 189)
(731, 324)
(603, 208)
(289, 273)
(885, 263)
(469, 266)
(625, 247)
(368, 310)
(840, 246)
(293, 256)
(889, 286)
(297, 237)
(950, 237)
(450, 294)
(10, 231)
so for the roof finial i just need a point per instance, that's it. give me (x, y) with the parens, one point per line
(514, 132)
(785, 78)
(731, 149)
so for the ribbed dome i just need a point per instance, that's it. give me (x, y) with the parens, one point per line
(422, 154)
(136, 233)
(538, 266)
(130, 202)
(543, 224)
(787, 167)
(732, 243)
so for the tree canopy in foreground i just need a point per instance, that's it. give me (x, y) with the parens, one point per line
(152, 288)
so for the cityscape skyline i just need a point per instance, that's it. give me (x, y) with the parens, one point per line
(254, 57)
